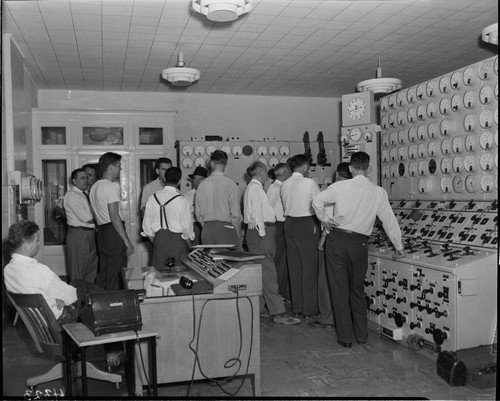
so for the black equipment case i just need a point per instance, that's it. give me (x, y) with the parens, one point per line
(113, 311)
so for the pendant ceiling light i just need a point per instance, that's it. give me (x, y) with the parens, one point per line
(180, 75)
(490, 34)
(379, 84)
(222, 10)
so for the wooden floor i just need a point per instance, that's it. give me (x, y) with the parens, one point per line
(296, 361)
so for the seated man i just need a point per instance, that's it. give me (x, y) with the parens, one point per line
(25, 275)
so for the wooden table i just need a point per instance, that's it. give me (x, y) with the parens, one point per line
(83, 338)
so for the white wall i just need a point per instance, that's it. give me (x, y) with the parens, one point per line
(248, 117)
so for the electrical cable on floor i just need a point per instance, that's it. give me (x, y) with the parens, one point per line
(230, 362)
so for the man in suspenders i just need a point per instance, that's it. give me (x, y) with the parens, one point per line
(168, 221)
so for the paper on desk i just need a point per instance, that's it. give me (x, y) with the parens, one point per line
(228, 274)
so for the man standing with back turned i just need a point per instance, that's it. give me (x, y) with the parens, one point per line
(113, 243)
(357, 203)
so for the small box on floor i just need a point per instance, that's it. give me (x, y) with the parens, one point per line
(451, 369)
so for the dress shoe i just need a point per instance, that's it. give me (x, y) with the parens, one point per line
(317, 323)
(345, 345)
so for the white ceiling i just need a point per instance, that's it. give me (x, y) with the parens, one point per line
(281, 48)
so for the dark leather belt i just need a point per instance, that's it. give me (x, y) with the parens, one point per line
(351, 232)
(83, 228)
(269, 224)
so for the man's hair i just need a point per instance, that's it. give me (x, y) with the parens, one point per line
(218, 157)
(75, 172)
(298, 161)
(20, 232)
(280, 168)
(173, 175)
(89, 165)
(360, 160)
(162, 160)
(270, 174)
(255, 168)
(108, 159)
(343, 171)
(95, 167)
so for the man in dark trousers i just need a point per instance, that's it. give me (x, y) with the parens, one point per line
(113, 243)
(357, 202)
(302, 234)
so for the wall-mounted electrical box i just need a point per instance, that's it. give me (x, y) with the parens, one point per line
(30, 188)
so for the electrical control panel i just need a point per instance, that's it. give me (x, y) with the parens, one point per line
(440, 137)
(29, 189)
(439, 165)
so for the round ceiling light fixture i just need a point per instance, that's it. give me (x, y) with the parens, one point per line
(222, 10)
(490, 34)
(380, 84)
(180, 75)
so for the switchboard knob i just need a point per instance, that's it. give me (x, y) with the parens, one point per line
(429, 310)
(379, 311)
(401, 283)
(421, 308)
(439, 313)
(399, 300)
(369, 301)
(439, 336)
(494, 205)
(440, 294)
(399, 319)
(414, 287)
(389, 296)
(369, 283)
(429, 330)
(413, 304)
(414, 325)
(468, 251)
(378, 293)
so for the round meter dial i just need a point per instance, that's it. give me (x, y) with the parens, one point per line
(487, 161)
(486, 118)
(412, 151)
(420, 91)
(393, 170)
(422, 150)
(484, 70)
(412, 114)
(283, 160)
(470, 163)
(401, 136)
(446, 184)
(401, 153)
(430, 88)
(487, 182)
(469, 100)
(261, 150)
(421, 112)
(273, 161)
(400, 99)
(468, 76)
(458, 184)
(446, 166)
(199, 150)
(444, 84)
(486, 94)
(393, 154)
(431, 109)
(412, 169)
(471, 183)
(421, 132)
(447, 127)
(187, 150)
(401, 118)
(393, 138)
(469, 122)
(432, 148)
(470, 143)
(263, 160)
(226, 149)
(444, 105)
(412, 134)
(368, 136)
(458, 144)
(273, 150)
(458, 164)
(237, 150)
(392, 101)
(385, 172)
(384, 103)
(344, 138)
(385, 140)
(327, 181)
(211, 149)
(432, 130)
(486, 140)
(284, 150)
(199, 162)
(187, 163)
(456, 102)
(392, 120)
(495, 65)
(411, 94)
(422, 186)
(356, 134)
(446, 146)
(455, 80)
(384, 121)
(422, 168)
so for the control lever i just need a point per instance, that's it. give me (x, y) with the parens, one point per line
(468, 251)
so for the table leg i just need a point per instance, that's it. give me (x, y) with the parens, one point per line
(152, 365)
(68, 364)
(130, 367)
(84, 370)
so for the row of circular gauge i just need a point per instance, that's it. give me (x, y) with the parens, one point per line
(31, 189)
(201, 162)
(488, 161)
(447, 146)
(455, 81)
(459, 184)
(445, 105)
(236, 150)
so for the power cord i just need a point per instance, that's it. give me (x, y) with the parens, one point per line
(230, 362)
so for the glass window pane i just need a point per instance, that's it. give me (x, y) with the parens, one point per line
(103, 136)
(53, 135)
(150, 136)
(55, 181)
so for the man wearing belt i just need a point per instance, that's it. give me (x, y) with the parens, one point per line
(168, 221)
(281, 172)
(260, 218)
(217, 205)
(113, 243)
(302, 236)
(80, 240)
(161, 166)
(357, 203)
(199, 174)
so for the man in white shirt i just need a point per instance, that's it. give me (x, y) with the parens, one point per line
(161, 166)
(281, 172)
(113, 243)
(80, 240)
(357, 203)
(199, 174)
(168, 221)
(302, 234)
(260, 218)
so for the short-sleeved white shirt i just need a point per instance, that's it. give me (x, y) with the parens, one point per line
(102, 193)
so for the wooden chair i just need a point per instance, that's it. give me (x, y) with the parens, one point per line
(46, 333)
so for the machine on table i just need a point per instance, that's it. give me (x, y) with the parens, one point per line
(225, 322)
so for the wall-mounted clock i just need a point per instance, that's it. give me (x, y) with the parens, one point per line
(358, 108)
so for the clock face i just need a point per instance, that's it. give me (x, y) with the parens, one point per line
(356, 134)
(356, 108)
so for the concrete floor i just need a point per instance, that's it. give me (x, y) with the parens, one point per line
(296, 361)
